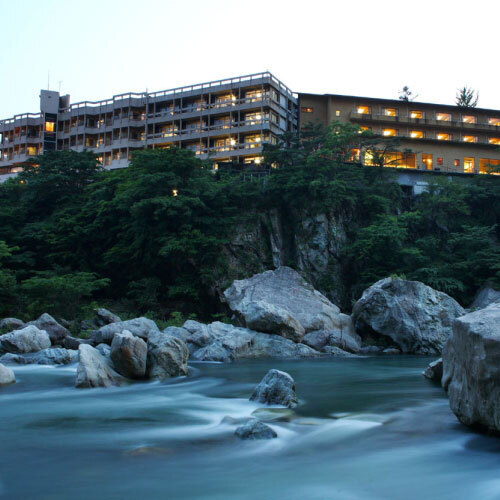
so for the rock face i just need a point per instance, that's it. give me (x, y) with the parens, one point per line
(276, 388)
(28, 339)
(434, 371)
(471, 368)
(167, 356)
(56, 331)
(486, 296)
(255, 429)
(6, 375)
(104, 317)
(11, 323)
(51, 356)
(129, 354)
(224, 343)
(140, 327)
(283, 303)
(94, 370)
(415, 316)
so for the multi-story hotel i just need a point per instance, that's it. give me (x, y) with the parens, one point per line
(231, 120)
(221, 120)
(429, 136)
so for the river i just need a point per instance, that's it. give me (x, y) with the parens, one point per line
(366, 428)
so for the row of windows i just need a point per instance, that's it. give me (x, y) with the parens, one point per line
(415, 114)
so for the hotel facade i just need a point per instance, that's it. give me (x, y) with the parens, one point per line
(231, 120)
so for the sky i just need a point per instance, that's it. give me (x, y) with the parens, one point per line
(94, 49)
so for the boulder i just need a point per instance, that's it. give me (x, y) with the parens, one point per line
(74, 342)
(255, 429)
(104, 317)
(434, 371)
(224, 343)
(283, 303)
(11, 324)
(167, 356)
(346, 338)
(6, 375)
(487, 295)
(140, 327)
(104, 349)
(471, 368)
(51, 356)
(276, 388)
(417, 318)
(27, 339)
(129, 354)
(94, 370)
(337, 351)
(391, 351)
(56, 331)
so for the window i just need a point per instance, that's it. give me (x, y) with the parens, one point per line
(443, 137)
(469, 138)
(389, 132)
(390, 112)
(306, 110)
(416, 114)
(427, 161)
(364, 129)
(443, 117)
(355, 155)
(337, 113)
(489, 166)
(416, 134)
(49, 126)
(494, 121)
(469, 165)
(31, 150)
(469, 119)
(253, 140)
(440, 161)
(364, 110)
(254, 95)
(456, 163)
(494, 140)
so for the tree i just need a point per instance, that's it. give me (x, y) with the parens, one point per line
(405, 94)
(467, 97)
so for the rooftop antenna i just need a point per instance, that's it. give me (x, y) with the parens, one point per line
(60, 81)
(48, 80)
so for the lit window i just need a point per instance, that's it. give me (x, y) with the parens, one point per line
(469, 138)
(363, 129)
(494, 140)
(254, 95)
(31, 150)
(390, 132)
(443, 137)
(488, 166)
(416, 114)
(337, 113)
(440, 161)
(469, 165)
(416, 134)
(355, 154)
(306, 110)
(390, 112)
(175, 192)
(49, 126)
(364, 110)
(469, 119)
(456, 163)
(443, 117)
(494, 121)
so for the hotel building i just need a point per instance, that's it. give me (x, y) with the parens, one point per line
(429, 136)
(223, 120)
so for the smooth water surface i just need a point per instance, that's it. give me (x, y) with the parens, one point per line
(366, 428)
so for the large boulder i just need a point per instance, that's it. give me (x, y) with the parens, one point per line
(276, 388)
(255, 429)
(56, 331)
(487, 295)
(11, 323)
(51, 356)
(283, 303)
(94, 370)
(471, 368)
(413, 315)
(224, 343)
(167, 356)
(6, 375)
(129, 354)
(27, 339)
(140, 327)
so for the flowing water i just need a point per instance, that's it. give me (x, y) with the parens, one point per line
(370, 428)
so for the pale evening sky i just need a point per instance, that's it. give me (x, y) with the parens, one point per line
(97, 48)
